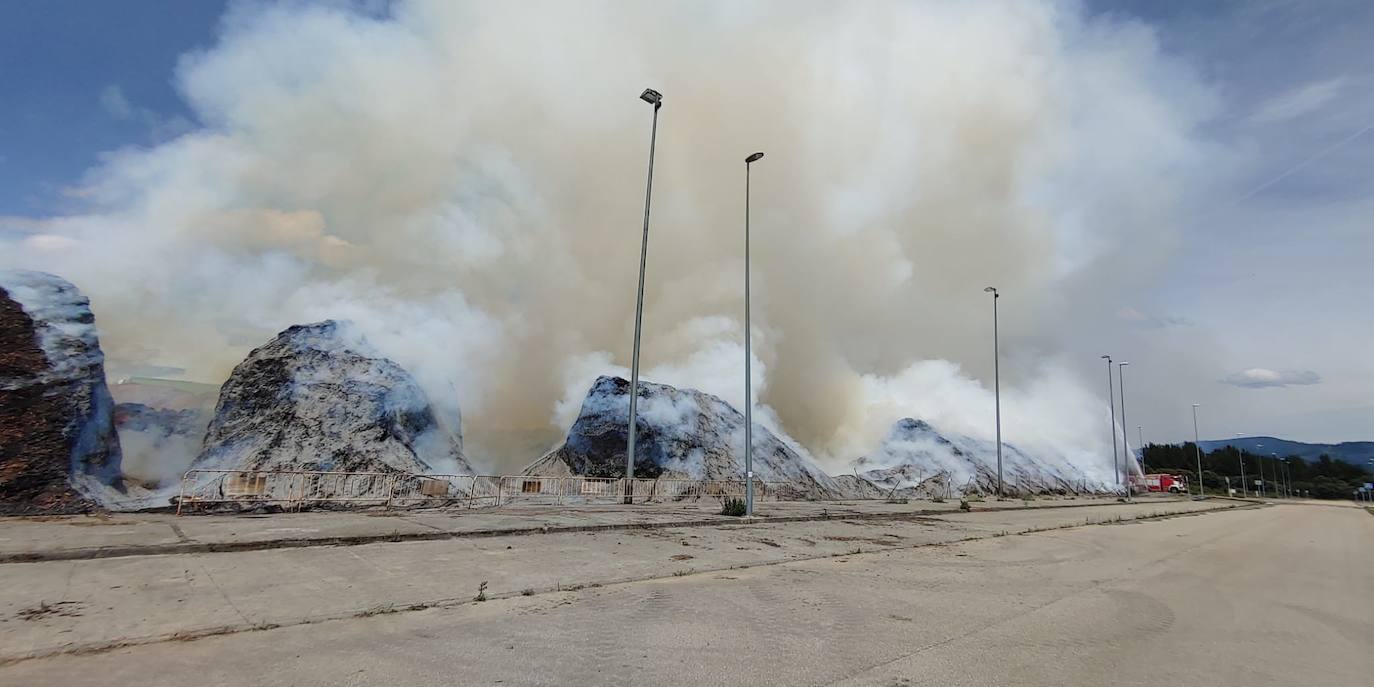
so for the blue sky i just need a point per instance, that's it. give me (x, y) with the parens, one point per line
(80, 77)
(1258, 313)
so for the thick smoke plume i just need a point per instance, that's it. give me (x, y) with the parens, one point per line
(464, 181)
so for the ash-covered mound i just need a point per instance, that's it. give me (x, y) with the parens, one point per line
(318, 397)
(681, 433)
(137, 417)
(58, 448)
(918, 460)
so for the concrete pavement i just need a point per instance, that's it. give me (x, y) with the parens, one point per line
(1267, 596)
(83, 605)
(131, 534)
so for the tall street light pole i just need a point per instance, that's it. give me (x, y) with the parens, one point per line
(1278, 474)
(1240, 455)
(1278, 479)
(656, 99)
(1259, 460)
(997, 385)
(748, 334)
(1197, 450)
(1111, 401)
(1125, 443)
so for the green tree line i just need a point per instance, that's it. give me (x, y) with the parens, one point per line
(1323, 478)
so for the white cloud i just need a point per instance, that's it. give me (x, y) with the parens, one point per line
(114, 102)
(50, 242)
(1259, 378)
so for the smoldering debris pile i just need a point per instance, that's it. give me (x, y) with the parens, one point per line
(917, 460)
(58, 447)
(680, 433)
(318, 397)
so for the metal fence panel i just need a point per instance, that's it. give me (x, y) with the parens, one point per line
(299, 489)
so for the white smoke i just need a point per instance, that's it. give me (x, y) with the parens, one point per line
(1050, 416)
(464, 181)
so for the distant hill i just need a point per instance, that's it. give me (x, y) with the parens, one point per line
(1356, 452)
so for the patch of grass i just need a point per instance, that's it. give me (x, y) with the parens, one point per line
(733, 507)
(964, 506)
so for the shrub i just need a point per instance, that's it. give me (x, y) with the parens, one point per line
(963, 505)
(733, 507)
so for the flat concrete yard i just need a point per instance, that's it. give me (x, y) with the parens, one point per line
(123, 534)
(1125, 594)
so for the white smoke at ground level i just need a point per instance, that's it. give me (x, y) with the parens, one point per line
(1050, 415)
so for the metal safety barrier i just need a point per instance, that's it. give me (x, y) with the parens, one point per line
(293, 490)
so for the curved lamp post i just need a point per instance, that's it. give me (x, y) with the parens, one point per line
(1111, 401)
(656, 99)
(748, 335)
(997, 385)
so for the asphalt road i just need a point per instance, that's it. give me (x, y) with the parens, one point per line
(1282, 595)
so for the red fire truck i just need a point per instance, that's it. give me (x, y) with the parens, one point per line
(1173, 484)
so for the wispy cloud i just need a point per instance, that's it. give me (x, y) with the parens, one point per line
(1143, 319)
(1299, 101)
(1259, 378)
(113, 101)
(160, 128)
